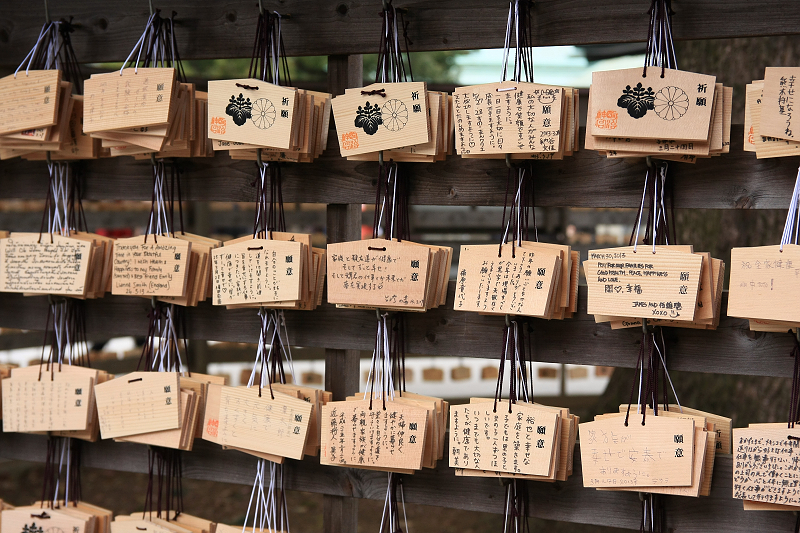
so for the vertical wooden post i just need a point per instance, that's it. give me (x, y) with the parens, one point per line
(340, 514)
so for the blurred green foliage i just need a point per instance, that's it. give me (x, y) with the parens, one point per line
(433, 67)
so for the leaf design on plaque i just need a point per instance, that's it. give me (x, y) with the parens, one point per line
(637, 100)
(369, 118)
(263, 113)
(671, 103)
(395, 115)
(240, 109)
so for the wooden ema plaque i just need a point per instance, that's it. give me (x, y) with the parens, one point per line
(275, 426)
(140, 402)
(135, 98)
(658, 454)
(257, 271)
(763, 283)
(44, 264)
(521, 441)
(36, 519)
(778, 103)
(354, 435)
(377, 272)
(29, 101)
(157, 267)
(765, 467)
(507, 117)
(643, 284)
(251, 111)
(393, 117)
(676, 106)
(518, 282)
(57, 402)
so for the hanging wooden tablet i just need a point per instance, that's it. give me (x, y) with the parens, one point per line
(44, 264)
(253, 112)
(29, 100)
(658, 454)
(763, 280)
(381, 116)
(61, 404)
(378, 272)
(651, 285)
(506, 280)
(150, 266)
(140, 402)
(345, 423)
(486, 436)
(766, 481)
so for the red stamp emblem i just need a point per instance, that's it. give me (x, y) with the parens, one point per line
(606, 120)
(349, 140)
(218, 125)
(212, 428)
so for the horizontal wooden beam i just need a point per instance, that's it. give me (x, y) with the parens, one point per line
(587, 179)
(206, 29)
(565, 501)
(731, 349)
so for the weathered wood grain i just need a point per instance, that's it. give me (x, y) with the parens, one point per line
(731, 349)
(225, 29)
(731, 181)
(565, 501)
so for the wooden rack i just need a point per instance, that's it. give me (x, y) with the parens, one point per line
(105, 31)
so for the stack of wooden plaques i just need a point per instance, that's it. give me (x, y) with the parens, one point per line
(769, 106)
(765, 469)
(80, 517)
(763, 282)
(672, 453)
(355, 434)
(271, 424)
(173, 523)
(198, 283)
(673, 286)
(528, 279)
(155, 114)
(281, 272)
(54, 399)
(39, 115)
(78, 266)
(403, 120)
(158, 265)
(75, 144)
(531, 441)
(522, 119)
(677, 116)
(388, 274)
(149, 408)
(284, 123)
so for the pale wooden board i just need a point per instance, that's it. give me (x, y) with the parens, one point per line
(261, 117)
(29, 100)
(613, 455)
(44, 264)
(150, 266)
(250, 418)
(396, 120)
(140, 402)
(28, 518)
(759, 480)
(508, 117)
(136, 98)
(647, 285)
(673, 111)
(46, 405)
(257, 271)
(778, 103)
(521, 442)
(763, 280)
(391, 274)
(345, 422)
(483, 279)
